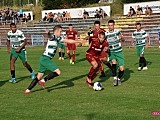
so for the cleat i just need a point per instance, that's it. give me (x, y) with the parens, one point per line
(32, 75)
(59, 58)
(70, 61)
(12, 80)
(42, 83)
(115, 82)
(89, 84)
(145, 68)
(139, 69)
(27, 91)
(119, 81)
(62, 58)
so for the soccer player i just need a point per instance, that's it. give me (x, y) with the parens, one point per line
(71, 34)
(103, 56)
(141, 39)
(61, 47)
(46, 59)
(114, 38)
(18, 41)
(97, 45)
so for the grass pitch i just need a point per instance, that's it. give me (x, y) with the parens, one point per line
(67, 97)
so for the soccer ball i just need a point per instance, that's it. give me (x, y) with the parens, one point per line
(97, 86)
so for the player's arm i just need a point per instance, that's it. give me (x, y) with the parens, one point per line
(22, 46)
(132, 41)
(72, 41)
(48, 34)
(8, 46)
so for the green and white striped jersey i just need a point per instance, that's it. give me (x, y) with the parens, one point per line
(139, 37)
(52, 45)
(114, 41)
(16, 39)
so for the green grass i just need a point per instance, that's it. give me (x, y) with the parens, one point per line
(67, 97)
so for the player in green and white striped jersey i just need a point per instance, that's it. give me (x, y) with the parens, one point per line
(114, 38)
(46, 59)
(141, 40)
(61, 47)
(18, 41)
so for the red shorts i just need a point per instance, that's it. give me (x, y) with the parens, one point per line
(71, 46)
(103, 55)
(92, 58)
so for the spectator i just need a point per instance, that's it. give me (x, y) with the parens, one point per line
(101, 13)
(85, 14)
(24, 19)
(131, 12)
(55, 17)
(15, 17)
(59, 18)
(68, 16)
(45, 17)
(148, 10)
(29, 17)
(139, 10)
(97, 15)
(64, 16)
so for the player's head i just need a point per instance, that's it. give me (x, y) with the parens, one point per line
(70, 26)
(13, 27)
(57, 30)
(101, 36)
(138, 26)
(111, 24)
(97, 24)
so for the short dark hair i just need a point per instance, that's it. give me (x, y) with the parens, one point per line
(138, 23)
(12, 24)
(97, 22)
(102, 33)
(111, 21)
(56, 27)
(70, 25)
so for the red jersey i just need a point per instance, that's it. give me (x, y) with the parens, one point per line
(96, 47)
(71, 34)
(96, 32)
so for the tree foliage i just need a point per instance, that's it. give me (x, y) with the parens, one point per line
(57, 4)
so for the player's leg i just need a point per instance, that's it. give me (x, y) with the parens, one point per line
(23, 57)
(33, 83)
(120, 60)
(13, 58)
(51, 66)
(94, 68)
(63, 51)
(59, 53)
(114, 72)
(68, 52)
(73, 53)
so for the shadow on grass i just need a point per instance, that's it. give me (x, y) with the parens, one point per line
(127, 74)
(17, 79)
(148, 63)
(80, 60)
(108, 75)
(63, 84)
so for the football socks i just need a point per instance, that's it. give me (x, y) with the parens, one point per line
(50, 76)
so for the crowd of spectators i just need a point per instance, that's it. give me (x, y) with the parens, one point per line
(12, 16)
(55, 17)
(139, 11)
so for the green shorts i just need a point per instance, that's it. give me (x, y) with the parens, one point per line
(140, 50)
(46, 64)
(118, 56)
(61, 45)
(22, 55)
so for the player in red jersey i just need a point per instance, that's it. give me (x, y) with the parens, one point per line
(97, 46)
(103, 57)
(71, 34)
